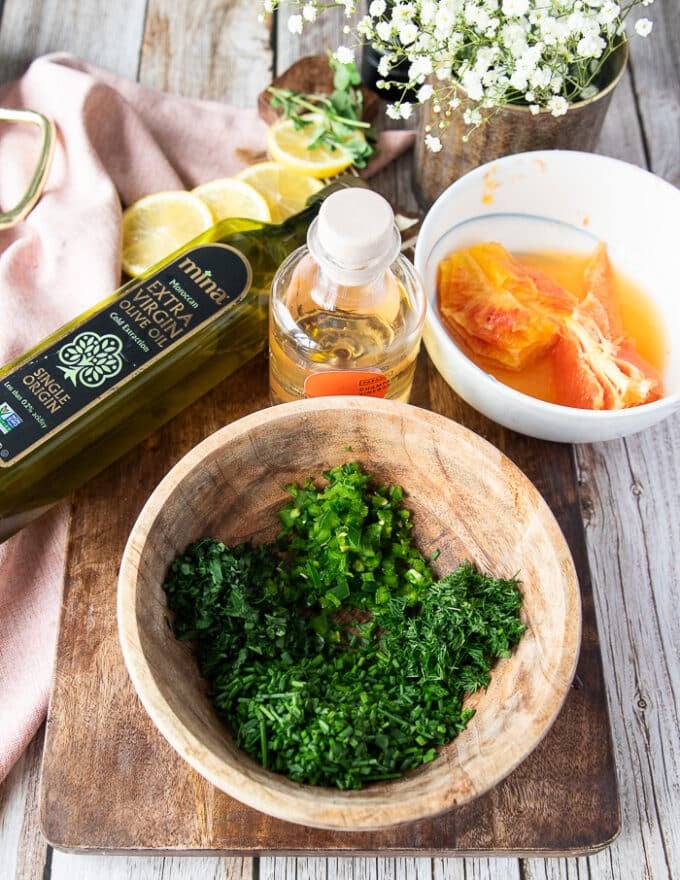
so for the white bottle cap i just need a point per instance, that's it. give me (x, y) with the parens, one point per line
(354, 237)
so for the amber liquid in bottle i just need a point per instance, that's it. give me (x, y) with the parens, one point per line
(341, 329)
(347, 310)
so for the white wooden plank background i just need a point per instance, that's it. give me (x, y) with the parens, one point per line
(629, 489)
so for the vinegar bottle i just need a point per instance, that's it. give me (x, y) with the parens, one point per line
(347, 309)
(105, 381)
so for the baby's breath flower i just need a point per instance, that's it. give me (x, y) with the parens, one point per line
(295, 24)
(433, 144)
(472, 116)
(384, 65)
(542, 54)
(384, 30)
(344, 55)
(558, 105)
(643, 27)
(591, 46)
(408, 34)
(515, 8)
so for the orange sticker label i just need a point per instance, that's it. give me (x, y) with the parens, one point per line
(334, 382)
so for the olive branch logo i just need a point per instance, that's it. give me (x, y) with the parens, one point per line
(91, 359)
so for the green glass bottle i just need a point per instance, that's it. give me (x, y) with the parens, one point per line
(106, 380)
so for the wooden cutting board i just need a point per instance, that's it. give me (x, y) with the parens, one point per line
(111, 782)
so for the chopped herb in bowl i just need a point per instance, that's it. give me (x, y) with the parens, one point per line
(335, 654)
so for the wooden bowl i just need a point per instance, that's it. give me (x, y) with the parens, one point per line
(468, 500)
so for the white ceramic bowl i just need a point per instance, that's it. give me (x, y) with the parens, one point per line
(558, 199)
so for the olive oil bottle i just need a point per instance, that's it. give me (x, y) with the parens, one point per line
(103, 382)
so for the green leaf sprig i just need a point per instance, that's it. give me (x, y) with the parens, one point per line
(333, 120)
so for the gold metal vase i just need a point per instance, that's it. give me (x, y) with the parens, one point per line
(512, 129)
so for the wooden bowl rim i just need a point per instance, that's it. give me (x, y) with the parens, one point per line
(366, 809)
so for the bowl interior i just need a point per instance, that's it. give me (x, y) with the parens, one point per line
(469, 501)
(563, 200)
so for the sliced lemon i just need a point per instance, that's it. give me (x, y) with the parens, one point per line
(290, 146)
(228, 197)
(158, 224)
(285, 191)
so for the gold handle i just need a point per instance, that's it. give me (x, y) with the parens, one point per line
(35, 187)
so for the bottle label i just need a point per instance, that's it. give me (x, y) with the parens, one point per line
(329, 383)
(136, 327)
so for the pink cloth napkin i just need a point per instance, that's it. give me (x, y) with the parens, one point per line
(116, 142)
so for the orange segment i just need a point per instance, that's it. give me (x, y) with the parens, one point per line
(496, 305)
(593, 371)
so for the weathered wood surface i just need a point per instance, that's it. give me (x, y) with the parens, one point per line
(628, 489)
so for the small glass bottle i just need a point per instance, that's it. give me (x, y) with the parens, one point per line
(347, 310)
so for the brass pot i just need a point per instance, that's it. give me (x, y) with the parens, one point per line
(512, 129)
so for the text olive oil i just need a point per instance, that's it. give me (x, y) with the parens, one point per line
(99, 385)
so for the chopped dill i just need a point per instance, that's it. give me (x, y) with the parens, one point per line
(335, 654)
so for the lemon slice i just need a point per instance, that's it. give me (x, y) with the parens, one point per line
(290, 146)
(158, 224)
(285, 191)
(228, 197)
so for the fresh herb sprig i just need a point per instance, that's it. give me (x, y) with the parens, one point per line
(335, 655)
(332, 120)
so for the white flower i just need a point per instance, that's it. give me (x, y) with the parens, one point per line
(471, 81)
(384, 30)
(408, 34)
(540, 78)
(402, 14)
(609, 12)
(384, 65)
(472, 116)
(419, 68)
(591, 46)
(558, 105)
(433, 144)
(365, 28)
(546, 52)
(515, 8)
(643, 27)
(344, 55)
(443, 22)
(428, 11)
(295, 24)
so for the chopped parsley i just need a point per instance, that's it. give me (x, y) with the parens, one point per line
(335, 654)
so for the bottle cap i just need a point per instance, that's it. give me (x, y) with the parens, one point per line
(354, 237)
